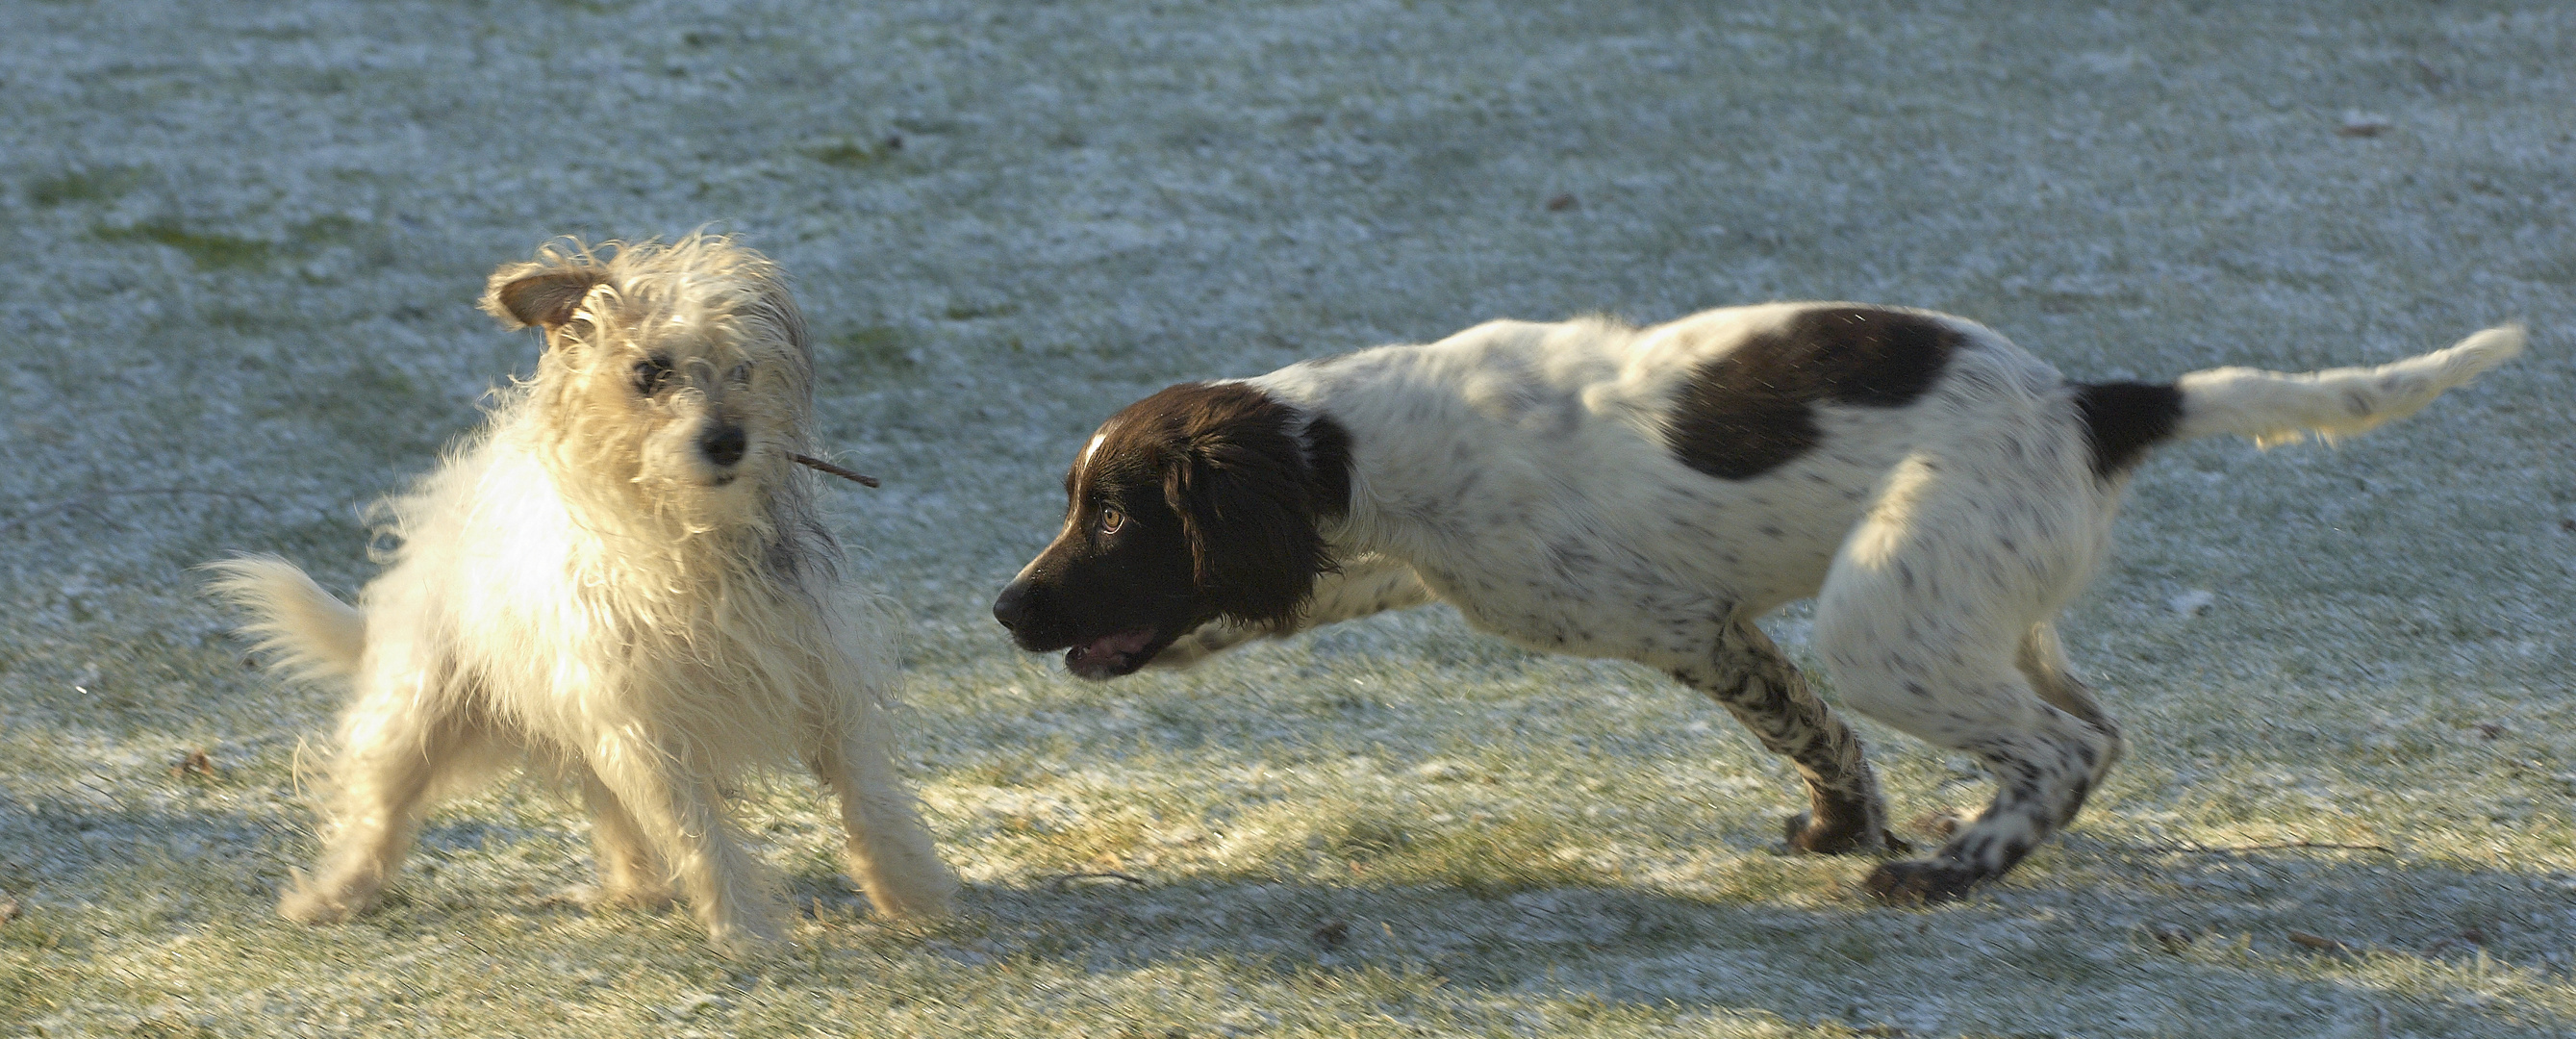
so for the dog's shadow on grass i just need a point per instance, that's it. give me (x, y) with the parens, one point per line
(1840, 959)
(2092, 920)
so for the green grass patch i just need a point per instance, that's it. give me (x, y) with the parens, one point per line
(851, 153)
(99, 185)
(209, 251)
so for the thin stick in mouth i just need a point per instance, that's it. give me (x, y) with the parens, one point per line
(851, 475)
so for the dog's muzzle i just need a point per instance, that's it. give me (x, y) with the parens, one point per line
(724, 445)
(1013, 609)
(1022, 609)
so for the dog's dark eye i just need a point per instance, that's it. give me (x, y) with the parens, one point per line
(740, 375)
(1111, 519)
(651, 374)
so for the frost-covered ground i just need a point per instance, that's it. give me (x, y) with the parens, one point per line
(249, 236)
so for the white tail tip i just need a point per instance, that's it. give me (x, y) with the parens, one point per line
(2279, 407)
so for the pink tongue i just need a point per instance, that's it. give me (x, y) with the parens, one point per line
(1123, 642)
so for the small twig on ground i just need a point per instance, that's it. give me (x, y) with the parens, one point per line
(2284, 845)
(85, 500)
(1065, 881)
(851, 475)
(2193, 848)
(2338, 946)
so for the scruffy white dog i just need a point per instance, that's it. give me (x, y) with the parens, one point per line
(622, 582)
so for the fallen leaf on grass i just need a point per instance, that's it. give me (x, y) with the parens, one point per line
(1561, 203)
(1332, 935)
(8, 910)
(197, 763)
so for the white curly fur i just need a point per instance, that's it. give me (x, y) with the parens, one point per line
(596, 586)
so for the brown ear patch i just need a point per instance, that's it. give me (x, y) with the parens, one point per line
(545, 297)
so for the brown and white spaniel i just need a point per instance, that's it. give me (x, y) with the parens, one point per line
(1591, 488)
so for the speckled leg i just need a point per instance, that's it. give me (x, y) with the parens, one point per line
(2043, 662)
(1762, 689)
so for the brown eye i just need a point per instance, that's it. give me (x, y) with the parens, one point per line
(1111, 519)
(651, 375)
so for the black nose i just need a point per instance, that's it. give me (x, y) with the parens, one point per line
(724, 445)
(1012, 606)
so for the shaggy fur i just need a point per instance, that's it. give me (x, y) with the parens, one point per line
(1645, 494)
(623, 582)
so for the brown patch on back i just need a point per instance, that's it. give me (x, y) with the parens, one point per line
(1750, 410)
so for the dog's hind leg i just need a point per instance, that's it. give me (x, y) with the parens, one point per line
(1934, 619)
(2044, 761)
(1749, 677)
(888, 850)
(393, 756)
(2042, 660)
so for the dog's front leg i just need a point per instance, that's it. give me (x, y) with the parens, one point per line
(630, 873)
(1749, 677)
(674, 802)
(887, 849)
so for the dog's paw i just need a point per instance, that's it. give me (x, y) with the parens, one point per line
(1806, 837)
(647, 897)
(598, 898)
(916, 907)
(1919, 882)
(745, 943)
(306, 906)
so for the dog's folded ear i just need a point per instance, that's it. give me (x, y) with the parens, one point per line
(1248, 513)
(541, 294)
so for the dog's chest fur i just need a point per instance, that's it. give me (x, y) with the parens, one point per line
(1589, 488)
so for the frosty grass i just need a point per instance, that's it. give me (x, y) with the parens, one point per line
(239, 307)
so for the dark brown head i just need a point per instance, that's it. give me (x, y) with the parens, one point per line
(1196, 504)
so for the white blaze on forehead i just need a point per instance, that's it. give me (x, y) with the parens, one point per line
(1080, 466)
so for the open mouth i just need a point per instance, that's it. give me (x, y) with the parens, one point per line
(1109, 656)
